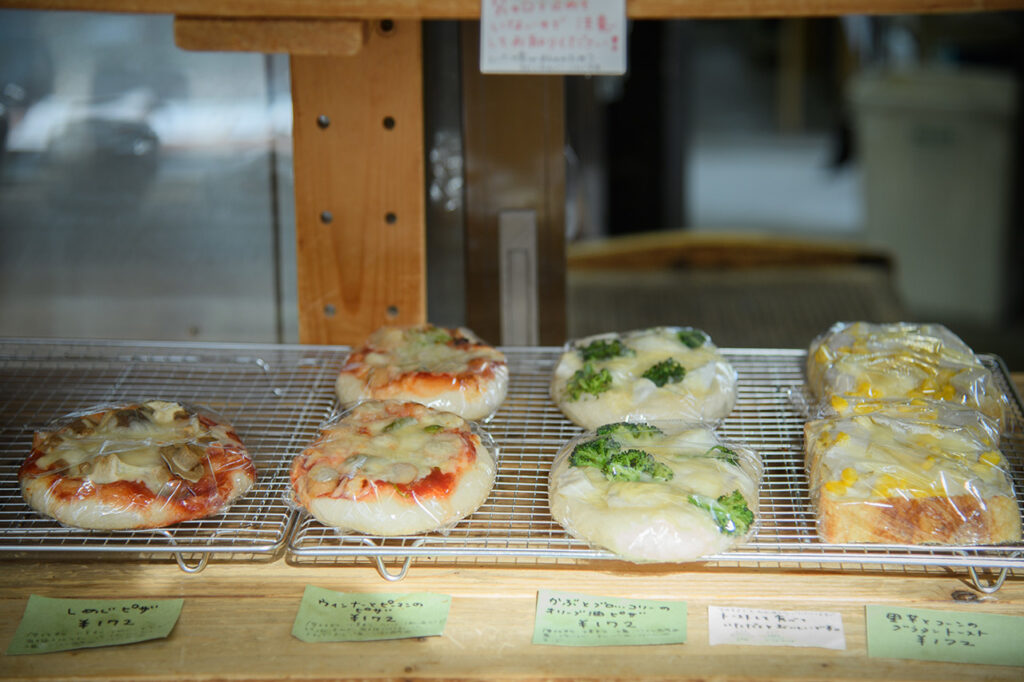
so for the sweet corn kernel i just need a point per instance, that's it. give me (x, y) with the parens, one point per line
(992, 458)
(839, 403)
(928, 463)
(948, 392)
(836, 487)
(842, 437)
(849, 476)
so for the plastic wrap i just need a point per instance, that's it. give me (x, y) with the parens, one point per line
(857, 360)
(910, 472)
(687, 494)
(140, 465)
(394, 468)
(661, 374)
(445, 368)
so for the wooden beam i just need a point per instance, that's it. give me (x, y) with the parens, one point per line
(336, 37)
(359, 194)
(470, 9)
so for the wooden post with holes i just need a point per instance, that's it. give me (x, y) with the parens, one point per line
(357, 132)
(359, 197)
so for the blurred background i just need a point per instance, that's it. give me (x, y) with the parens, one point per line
(760, 179)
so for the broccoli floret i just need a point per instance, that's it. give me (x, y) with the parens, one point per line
(604, 349)
(635, 465)
(666, 371)
(594, 453)
(692, 338)
(629, 429)
(723, 453)
(730, 512)
(588, 380)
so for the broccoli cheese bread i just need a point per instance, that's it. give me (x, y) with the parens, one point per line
(910, 472)
(652, 375)
(655, 494)
(899, 361)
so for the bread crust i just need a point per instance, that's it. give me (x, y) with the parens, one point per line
(957, 520)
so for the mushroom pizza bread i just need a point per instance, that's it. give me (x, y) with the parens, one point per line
(139, 465)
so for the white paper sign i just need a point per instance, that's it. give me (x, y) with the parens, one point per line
(763, 627)
(553, 36)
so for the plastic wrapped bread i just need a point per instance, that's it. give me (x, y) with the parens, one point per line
(388, 467)
(675, 493)
(897, 361)
(668, 374)
(910, 472)
(445, 368)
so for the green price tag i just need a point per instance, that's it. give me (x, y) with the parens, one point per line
(952, 636)
(326, 616)
(63, 624)
(570, 619)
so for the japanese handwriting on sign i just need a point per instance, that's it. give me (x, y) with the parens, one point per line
(735, 625)
(934, 635)
(941, 631)
(569, 619)
(326, 616)
(63, 624)
(553, 36)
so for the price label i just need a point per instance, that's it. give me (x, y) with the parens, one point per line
(765, 627)
(326, 616)
(63, 624)
(952, 636)
(570, 619)
(553, 36)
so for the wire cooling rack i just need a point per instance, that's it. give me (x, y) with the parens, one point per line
(515, 522)
(275, 396)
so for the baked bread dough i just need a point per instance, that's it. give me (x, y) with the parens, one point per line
(135, 466)
(661, 374)
(394, 468)
(900, 361)
(446, 368)
(692, 495)
(910, 472)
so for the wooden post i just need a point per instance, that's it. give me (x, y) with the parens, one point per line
(359, 195)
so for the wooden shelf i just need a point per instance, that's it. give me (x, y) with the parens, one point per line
(470, 9)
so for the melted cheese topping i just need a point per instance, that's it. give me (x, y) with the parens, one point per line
(900, 361)
(152, 443)
(386, 442)
(391, 352)
(910, 454)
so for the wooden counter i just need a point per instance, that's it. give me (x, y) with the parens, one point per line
(237, 619)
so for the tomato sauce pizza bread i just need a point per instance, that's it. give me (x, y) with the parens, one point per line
(394, 468)
(446, 368)
(658, 374)
(131, 466)
(655, 494)
(900, 361)
(910, 472)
